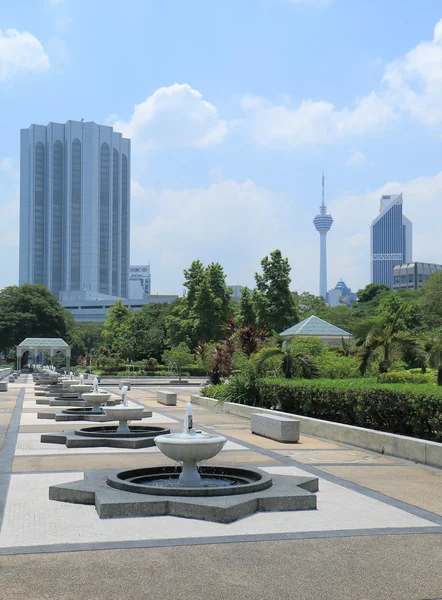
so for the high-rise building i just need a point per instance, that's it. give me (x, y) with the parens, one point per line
(391, 239)
(139, 281)
(75, 208)
(323, 223)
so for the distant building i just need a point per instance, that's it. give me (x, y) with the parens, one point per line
(340, 295)
(95, 309)
(75, 208)
(391, 240)
(315, 327)
(236, 290)
(413, 275)
(140, 284)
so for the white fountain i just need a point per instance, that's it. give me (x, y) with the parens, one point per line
(123, 412)
(81, 387)
(95, 398)
(190, 447)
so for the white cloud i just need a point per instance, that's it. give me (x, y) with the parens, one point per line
(20, 52)
(174, 117)
(223, 222)
(357, 158)
(312, 122)
(414, 82)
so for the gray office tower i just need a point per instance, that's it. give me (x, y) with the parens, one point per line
(75, 208)
(391, 240)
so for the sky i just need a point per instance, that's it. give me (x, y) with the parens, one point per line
(234, 109)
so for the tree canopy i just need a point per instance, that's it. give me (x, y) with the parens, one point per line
(30, 310)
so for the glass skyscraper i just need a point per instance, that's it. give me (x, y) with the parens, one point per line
(391, 240)
(75, 208)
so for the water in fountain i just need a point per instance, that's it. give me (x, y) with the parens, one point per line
(95, 386)
(124, 400)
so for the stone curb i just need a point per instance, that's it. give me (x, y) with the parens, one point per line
(414, 449)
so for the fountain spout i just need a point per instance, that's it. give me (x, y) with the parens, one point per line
(188, 420)
(95, 388)
(81, 379)
(124, 400)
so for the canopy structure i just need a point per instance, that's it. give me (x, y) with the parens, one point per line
(315, 327)
(36, 345)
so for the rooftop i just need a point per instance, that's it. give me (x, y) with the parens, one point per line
(315, 326)
(44, 342)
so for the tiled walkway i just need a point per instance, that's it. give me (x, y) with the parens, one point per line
(361, 493)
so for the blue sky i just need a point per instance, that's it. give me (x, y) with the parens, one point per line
(234, 109)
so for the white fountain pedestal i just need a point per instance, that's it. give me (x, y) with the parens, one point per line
(190, 449)
(95, 399)
(123, 414)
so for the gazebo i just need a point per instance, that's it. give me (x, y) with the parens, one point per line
(315, 327)
(36, 345)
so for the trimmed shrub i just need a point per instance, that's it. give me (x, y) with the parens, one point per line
(408, 377)
(215, 391)
(403, 409)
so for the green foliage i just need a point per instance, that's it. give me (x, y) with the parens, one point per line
(180, 355)
(273, 301)
(431, 302)
(30, 310)
(149, 330)
(372, 291)
(402, 409)
(408, 377)
(294, 361)
(118, 331)
(86, 338)
(201, 314)
(215, 391)
(333, 366)
(247, 314)
(308, 304)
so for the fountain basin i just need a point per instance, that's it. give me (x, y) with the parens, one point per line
(190, 448)
(111, 431)
(81, 388)
(95, 399)
(222, 481)
(123, 414)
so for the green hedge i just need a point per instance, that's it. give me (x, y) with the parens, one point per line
(408, 377)
(404, 409)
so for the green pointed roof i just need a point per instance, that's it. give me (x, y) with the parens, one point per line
(44, 342)
(315, 326)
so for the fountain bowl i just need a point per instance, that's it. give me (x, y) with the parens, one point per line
(190, 448)
(238, 480)
(95, 399)
(124, 413)
(81, 388)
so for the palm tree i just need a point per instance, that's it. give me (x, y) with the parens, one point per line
(292, 360)
(433, 346)
(383, 337)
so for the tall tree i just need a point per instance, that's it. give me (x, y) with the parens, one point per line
(432, 300)
(118, 330)
(246, 311)
(274, 303)
(30, 310)
(201, 314)
(149, 330)
(371, 291)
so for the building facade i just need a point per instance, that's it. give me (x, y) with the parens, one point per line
(75, 208)
(140, 284)
(95, 310)
(390, 240)
(340, 295)
(413, 275)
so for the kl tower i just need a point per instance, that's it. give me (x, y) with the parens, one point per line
(323, 222)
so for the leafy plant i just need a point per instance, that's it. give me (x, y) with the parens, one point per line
(292, 360)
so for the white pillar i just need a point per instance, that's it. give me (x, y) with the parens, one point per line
(323, 265)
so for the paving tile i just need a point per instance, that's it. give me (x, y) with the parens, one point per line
(417, 485)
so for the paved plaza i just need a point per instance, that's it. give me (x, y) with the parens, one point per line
(377, 532)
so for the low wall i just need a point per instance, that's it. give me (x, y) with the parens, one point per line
(5, 373)
(414, 449)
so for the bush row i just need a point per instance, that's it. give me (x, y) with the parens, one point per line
(404, 409)
(408, 377)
